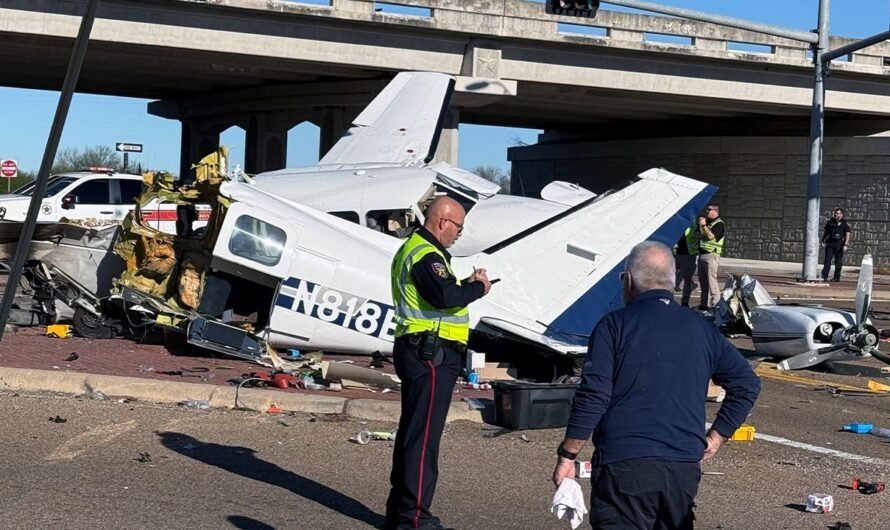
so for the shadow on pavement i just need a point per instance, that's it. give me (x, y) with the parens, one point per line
(247, 523)
(242, 461)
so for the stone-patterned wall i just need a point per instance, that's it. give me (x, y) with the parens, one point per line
(762, 183)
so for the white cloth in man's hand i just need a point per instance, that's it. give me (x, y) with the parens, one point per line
(569, 502)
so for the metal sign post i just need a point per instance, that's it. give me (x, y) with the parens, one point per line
(52, 145)
(127, 149)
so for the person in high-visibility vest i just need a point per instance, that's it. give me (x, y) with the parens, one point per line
(712, 231)
(686, 254)
(432, 331)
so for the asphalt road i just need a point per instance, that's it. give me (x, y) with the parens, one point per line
(237, 469)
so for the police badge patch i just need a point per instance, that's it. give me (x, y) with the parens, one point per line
(440, 270)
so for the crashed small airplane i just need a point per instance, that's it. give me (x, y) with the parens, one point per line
(300, 258)
(803, 335)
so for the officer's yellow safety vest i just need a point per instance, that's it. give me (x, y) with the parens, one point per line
(716, 246)
(691, 242)
(413, 313)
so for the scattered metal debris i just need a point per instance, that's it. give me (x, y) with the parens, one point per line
(73, 357)
(196, 404)
(144, 458)
(524, 438)
(97, 395)
(58, 419)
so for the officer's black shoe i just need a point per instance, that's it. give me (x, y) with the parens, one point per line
(430, 524)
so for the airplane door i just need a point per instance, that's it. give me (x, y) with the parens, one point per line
(264, 248)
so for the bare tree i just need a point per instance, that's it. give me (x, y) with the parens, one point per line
(494, 174)
(73, 159)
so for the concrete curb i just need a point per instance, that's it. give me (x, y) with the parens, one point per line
(113, 386)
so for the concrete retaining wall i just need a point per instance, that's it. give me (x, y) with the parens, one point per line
(762, 184)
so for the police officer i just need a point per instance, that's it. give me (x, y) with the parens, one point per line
(712, 232)
(687, 252)
(835, 237)
(432, 329)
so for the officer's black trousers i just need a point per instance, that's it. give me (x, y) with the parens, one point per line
(644, 494)
(427, 389)
(836, 251)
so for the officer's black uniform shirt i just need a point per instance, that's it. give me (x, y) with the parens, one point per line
(835, 231)
(436, 285)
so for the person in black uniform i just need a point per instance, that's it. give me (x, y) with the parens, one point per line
(432, 327)
(835, 237)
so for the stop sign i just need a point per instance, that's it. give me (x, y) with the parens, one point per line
(9, 168)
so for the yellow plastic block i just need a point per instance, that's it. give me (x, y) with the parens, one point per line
(61, 331)
(745, 433)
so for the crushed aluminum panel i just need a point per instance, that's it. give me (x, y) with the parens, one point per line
(565, 193)
(402, 124)
(536, 337)
(465, 178)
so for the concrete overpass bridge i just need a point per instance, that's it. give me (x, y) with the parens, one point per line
(611, 94)
(268, 65)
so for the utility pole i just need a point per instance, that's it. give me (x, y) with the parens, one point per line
(52, 144)
(817, 140)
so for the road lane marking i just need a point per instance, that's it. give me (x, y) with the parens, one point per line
(821, 450)
(817, 449)
(93, 438)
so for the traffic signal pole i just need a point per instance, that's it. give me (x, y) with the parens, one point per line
(52, 144)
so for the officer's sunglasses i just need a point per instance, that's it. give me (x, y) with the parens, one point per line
(460, 228)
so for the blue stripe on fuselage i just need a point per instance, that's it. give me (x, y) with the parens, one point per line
(576, 323)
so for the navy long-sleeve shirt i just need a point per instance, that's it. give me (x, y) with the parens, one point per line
(436, 284)
(645, 382)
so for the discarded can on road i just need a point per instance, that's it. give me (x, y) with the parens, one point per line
(820, 503)
(196, 404)
(366, 436)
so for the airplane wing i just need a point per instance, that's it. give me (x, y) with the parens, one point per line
(560, 277)
(401, 125)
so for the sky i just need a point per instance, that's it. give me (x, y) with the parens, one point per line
(105, 120)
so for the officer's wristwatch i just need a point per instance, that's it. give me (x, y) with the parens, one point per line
(562, 452)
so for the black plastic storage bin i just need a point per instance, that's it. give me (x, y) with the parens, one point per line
(522, 405)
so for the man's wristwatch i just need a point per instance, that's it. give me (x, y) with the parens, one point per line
(564, 453)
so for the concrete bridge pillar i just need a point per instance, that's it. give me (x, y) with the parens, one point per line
(199, 138)
(333, 124)
(447, 150)
(266, 141)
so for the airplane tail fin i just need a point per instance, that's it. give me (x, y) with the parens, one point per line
(401, 125)
(560, 277)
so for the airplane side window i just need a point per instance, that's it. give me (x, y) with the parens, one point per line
(257, 241)
(352, 217)
(395, 223)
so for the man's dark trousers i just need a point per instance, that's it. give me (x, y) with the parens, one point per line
(644, 494)
(427, 388)
(836, 251)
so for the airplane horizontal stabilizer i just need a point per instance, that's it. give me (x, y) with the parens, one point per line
(401, 125)
(561, 276)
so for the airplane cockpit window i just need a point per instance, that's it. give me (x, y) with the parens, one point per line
(257, 241)
(396, 223)
(352, 217)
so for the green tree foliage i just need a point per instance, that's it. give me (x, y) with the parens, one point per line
(73, 159)
(494, 174)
